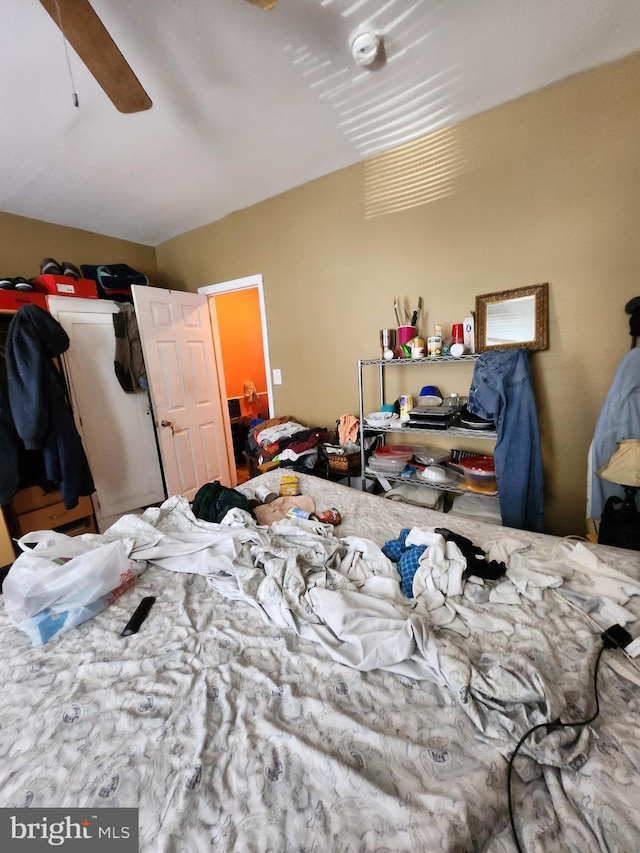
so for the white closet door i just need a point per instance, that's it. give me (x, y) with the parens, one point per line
(117, 428)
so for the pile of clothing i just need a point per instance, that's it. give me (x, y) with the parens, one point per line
(286, 443)
(114, 280)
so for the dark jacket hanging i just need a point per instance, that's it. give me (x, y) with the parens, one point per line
(38, 401)
(128, 361)
(9, 442)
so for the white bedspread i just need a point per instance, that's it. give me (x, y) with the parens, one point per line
(283, 693)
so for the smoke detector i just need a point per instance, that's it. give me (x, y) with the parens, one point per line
(365, 46)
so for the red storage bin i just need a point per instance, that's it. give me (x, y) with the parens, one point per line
(12, 300)
(65, 285)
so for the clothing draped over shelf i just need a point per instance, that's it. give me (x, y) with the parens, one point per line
(501, 390)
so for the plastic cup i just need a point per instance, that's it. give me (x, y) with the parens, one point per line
(457, 333)
(405, 334)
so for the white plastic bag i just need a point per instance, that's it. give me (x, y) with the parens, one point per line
(64, 581)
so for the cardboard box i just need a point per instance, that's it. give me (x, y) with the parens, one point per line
(65, 285)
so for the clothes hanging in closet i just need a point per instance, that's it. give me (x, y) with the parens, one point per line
(9, 441)
(38, 402)
(128, 360)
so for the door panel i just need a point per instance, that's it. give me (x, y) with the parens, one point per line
(170, 371)
(116, 428)
(186, 460)
(179, 353)
(199, 378)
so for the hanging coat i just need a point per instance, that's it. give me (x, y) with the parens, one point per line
(128, 361)
(10, 443)
(38, 401)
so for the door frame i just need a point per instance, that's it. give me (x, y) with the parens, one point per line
(247, 283)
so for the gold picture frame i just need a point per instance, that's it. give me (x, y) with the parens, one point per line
(511, 319)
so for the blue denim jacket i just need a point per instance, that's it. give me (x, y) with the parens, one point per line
(501, 391)
(619, 419)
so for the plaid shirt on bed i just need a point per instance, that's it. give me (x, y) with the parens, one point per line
(406, 557)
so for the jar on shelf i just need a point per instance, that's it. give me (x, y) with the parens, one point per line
(452, 403)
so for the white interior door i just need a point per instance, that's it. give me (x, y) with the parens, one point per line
(116, 428)
(179, 354)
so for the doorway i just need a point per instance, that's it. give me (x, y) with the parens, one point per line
(244, 353)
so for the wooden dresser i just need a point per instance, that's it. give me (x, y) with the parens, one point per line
(7, 554)
(34, 509)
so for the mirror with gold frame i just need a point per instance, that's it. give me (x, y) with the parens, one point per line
(512, 319)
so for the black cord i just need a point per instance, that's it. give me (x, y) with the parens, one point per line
(556, 724)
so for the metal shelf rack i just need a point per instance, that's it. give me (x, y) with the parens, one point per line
(451, 432)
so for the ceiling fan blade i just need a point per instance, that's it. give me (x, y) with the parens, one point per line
(88, 36)
(263, 4)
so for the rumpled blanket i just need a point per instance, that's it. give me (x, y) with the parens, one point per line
(346, 597)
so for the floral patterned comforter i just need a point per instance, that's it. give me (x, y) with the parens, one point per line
(296, 711)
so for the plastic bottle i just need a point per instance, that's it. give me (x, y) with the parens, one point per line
(469, 334)
(434, 343)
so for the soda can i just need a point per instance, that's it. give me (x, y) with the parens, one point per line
(330, 516)
(296, 512)
(264, 495)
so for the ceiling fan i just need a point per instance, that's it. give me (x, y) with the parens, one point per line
(88, 36)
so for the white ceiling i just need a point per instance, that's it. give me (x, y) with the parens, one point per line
(248, 104)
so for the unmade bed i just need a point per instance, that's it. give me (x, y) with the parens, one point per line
(284, 694)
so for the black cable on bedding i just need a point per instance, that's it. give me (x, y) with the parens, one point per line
(608, 642)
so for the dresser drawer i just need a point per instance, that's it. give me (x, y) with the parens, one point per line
(7, 554)
(54, 515)
(34, 497)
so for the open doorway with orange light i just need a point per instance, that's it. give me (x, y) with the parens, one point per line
(244, 350)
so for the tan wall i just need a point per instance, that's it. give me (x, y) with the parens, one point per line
(549, 190)
(25, 242)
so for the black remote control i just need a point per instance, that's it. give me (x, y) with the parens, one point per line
(141, 613)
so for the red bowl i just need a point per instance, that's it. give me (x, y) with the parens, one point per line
(394, 450)
(481, 464)
(479, 474)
